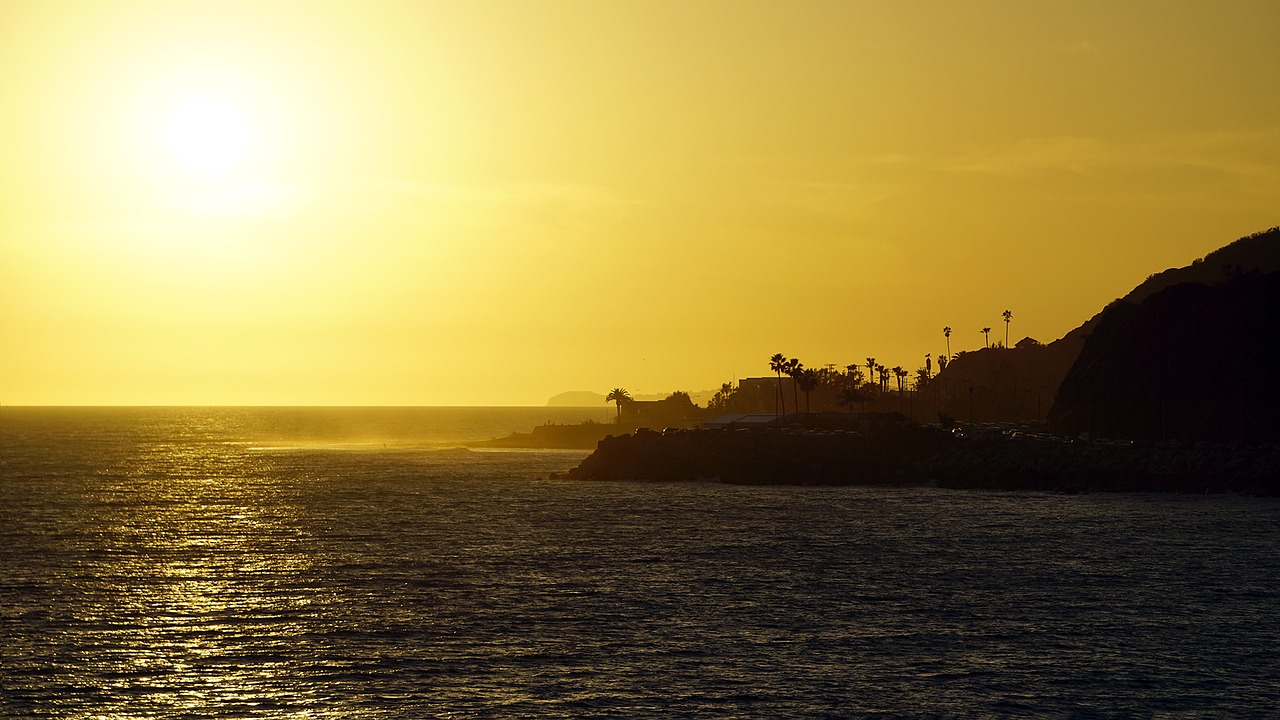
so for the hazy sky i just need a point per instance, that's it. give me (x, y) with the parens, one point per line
(446, 203)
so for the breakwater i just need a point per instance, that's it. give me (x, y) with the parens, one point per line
(914, 455)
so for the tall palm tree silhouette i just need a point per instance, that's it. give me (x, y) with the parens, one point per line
(778, 363)
(986, 333)
(794, 368)
(1007, 315)
(618, 396)
(871, 370)
(946, 332)
(808, 382)
(900, 373)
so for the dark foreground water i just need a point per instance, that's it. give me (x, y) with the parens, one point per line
(201, 563)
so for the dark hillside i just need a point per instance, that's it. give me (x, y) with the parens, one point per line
(1190, 362)
(1258, 252)
(1010, 384)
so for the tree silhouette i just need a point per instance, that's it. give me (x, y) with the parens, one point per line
(871, 370)
(849, 397)
(618, 396)
(794, 367)
(946, 332)
(900, 373)
(778, 364)
(808, 382)
(722, 398)
(986, 334)
(923, 379)
(1007, 315)
(853, 377)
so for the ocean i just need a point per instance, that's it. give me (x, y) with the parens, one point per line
(351, 563)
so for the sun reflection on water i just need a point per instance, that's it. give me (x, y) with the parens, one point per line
(208, 593)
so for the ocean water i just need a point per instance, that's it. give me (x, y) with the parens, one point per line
(219, 563)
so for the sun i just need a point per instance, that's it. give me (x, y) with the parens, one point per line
(208, 136)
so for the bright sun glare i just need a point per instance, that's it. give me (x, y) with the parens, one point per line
(209, 136)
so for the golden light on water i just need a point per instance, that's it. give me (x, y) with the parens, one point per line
(451, 203)
(210, 562)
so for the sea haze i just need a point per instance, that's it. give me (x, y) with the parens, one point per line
(335, 563)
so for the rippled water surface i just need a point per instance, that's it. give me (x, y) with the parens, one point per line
(272, 563)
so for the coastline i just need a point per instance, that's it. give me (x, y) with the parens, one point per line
(925, 456)
(578, 436)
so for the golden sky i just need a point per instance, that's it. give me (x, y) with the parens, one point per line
(490, 202)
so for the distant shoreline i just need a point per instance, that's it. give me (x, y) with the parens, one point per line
(579, 436)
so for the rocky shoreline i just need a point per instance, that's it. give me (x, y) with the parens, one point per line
(916, 455)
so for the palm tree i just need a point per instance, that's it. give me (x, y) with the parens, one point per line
(986, 333)
(884, 377)
(619, 396)
(853, 375)
(808, 381)
(1007, 315)
(923, 379)
(778, 363)
(871, 369)
(848, 397)
(794, 367)
(900, 373)
(942, 363)
(946, 332)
